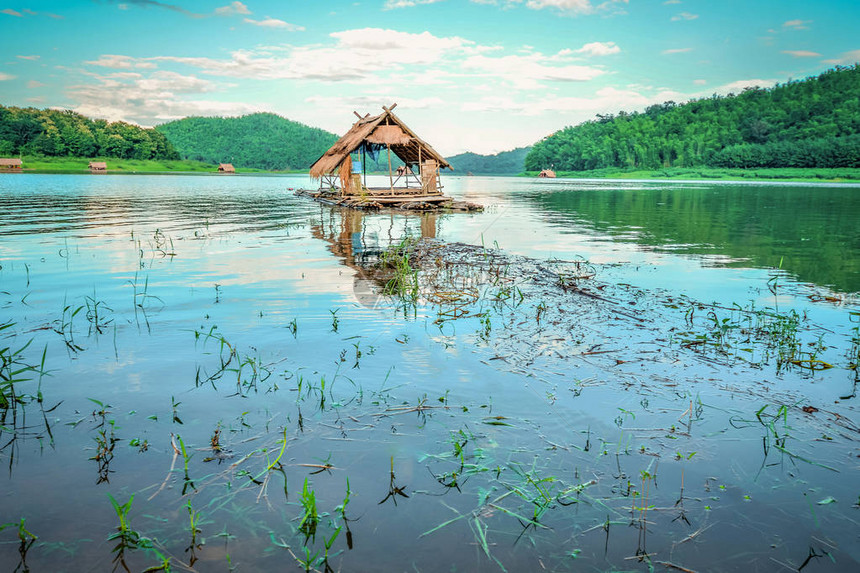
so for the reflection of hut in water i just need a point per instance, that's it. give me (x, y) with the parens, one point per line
(97, 166)
(548, 173)
(342, 170)
(226, 168)
(359, 248)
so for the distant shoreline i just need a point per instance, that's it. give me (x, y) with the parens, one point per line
(73, 165)
(788, 174)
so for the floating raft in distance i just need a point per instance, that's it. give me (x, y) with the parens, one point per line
(397, 201)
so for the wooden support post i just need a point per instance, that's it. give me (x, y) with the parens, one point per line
(420, 168)
(390, 176)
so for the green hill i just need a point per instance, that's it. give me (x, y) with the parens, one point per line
(54, 133)
(809, 123)
(504, 163)
(260, 140)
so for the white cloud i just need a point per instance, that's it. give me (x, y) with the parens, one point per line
(738, 86)
(797, 24)
(604, 100)
(148, 100)
(172, 82)
(598, 49)
(569, 7)
(268, 22)
(528, 72)
(33, 84)
(700, 82)
(145, 4)
(11, 12)
(372, 102)
(668, 2)
(801, 53)
(378, 55)
(577, 6)
(846, 59)
(29, 57)
(120, 62)
(233, 8)
(48, 14)
(394, 4)
(383, 40)
(677, 51)
(355, 55)
(5, 77)
(684, 16)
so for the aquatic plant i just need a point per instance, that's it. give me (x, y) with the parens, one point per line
(26, 539)
(187, 482)
(15, 370)
(393, 489)
(310, 519)
(65, 327)
(142, 301)
(194, 521)
(128, 539)
(403, 282)
(249, 370)
(97, 314)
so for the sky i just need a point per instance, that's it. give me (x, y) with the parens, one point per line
(467, 75)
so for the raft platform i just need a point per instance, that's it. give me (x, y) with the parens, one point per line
(376, 201)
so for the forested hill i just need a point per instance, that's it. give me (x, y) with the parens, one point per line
(54, 133)
(506, 162)
(809, 123)
(260, 140)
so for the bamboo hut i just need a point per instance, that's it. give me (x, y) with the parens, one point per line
(97, 166)
(226, 168)
(547, 173)
(342, 170)
(11, 163)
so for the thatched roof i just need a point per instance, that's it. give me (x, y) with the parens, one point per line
(385, 128)
(10, 162)
(98, 165)
(228, 167)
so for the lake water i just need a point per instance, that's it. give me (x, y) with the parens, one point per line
(218, 349)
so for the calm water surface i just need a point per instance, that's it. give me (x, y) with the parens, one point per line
(169, 312)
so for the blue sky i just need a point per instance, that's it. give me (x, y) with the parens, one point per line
(477, 75)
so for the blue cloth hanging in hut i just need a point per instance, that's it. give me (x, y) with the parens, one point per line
(372, 149)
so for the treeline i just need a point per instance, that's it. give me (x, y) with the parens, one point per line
(809, 123)
(260, 140)
(506, 162)
(55, 133)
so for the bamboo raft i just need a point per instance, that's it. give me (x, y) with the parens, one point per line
(371, 202)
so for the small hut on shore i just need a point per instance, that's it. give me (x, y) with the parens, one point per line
(97, 166)
(342, 170)
(547, 173)
(226, 168)
(10, 163)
